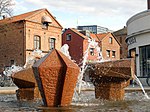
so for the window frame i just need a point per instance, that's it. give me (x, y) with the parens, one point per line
(108, 53)
(51, 42)
(110, 40)
(45, 25)
(68, 37)
(37, 42)
(113, 54)
(92, 51)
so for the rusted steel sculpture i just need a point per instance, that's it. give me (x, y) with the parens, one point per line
(25, 81)
(56, 76)
(111, 77)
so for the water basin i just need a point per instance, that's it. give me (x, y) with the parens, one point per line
(133, 102)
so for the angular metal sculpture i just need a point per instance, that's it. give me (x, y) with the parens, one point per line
(111, 77)
(56, 76)
(25, 81)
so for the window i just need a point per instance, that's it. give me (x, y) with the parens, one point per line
(51, 43)
(108, 53)
(92, 51)
(110, 40)
(12, 62)
(113, 54)
(37, 41)
(45, 25)
(68, 38)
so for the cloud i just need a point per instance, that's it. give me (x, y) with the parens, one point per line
(101, 10)
(94, 7)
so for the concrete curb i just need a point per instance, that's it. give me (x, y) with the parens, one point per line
(136, 89)
(12, 90)
(8, 90)
(128, 89)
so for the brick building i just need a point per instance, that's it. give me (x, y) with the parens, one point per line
(121, 37)
(109, 45)
(20, 35)
(78, 43)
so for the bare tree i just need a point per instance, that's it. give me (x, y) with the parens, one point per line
(6, 7)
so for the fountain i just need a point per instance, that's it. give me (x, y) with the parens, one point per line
(56, 76)
(25, 81)
(111, 77)
(24, 78)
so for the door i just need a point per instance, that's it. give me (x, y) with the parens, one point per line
(145, 61)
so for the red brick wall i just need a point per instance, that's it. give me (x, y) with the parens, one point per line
(33, 29)
(12, 44)
(75, 45)
(112, 47)
(124, 47)
(17, 39)
(90, 57)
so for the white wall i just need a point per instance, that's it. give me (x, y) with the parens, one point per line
(139, 22)
(138, 26)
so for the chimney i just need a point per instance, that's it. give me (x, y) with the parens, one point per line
(148, 4)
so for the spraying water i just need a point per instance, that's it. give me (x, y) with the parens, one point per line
(92, 44)
(36, 54)
(141, 87)
(65, 50)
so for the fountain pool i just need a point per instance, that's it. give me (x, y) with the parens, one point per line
(134, 102)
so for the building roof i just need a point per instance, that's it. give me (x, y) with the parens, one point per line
(24, 16)
(100, 36)
(19, 17)
(122, 31)
(77, 32)
(94, 36)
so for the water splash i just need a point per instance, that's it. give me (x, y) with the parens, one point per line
(92, 44)
(141, 87)
(33, 57)
(9, 71)
(65, 50)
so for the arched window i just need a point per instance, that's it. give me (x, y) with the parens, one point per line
(37, 42)
(51, 43)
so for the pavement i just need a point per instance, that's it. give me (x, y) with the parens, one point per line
(131, 88)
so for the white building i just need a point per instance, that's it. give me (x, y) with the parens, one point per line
(138, 39)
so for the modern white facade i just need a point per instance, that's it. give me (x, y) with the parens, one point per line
(138, 39)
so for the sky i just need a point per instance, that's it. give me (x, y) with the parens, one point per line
(112, 14)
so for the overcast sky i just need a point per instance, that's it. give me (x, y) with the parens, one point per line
(112, 14)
